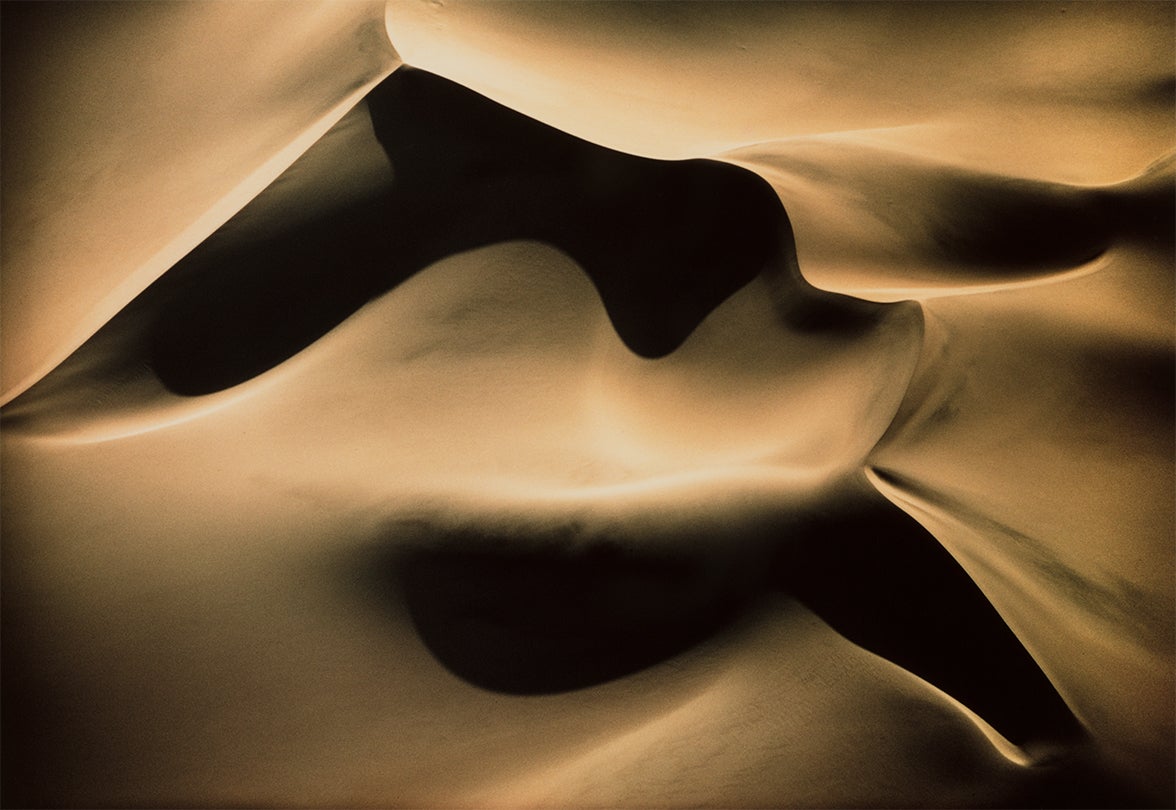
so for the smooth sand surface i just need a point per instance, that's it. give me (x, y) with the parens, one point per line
(625, 405)
(134, 130)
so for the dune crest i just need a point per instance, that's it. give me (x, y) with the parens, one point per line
(1076, 94)
(172, 116)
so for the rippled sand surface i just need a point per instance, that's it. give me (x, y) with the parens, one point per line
(588, 404)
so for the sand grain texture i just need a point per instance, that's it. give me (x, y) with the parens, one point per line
(727, 405)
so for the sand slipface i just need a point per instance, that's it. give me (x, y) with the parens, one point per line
(613, 405)
(134, 130)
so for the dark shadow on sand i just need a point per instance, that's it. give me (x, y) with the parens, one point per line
(546, 622)
(664, 242)
(510, 618)
(877, 577)
(506, 616)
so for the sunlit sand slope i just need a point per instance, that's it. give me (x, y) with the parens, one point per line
(134, 130)
(729, 408)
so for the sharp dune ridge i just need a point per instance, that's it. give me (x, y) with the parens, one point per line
(596, 404)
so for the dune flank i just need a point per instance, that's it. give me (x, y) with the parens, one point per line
(613, 404)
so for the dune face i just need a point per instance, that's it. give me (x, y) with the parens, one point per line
(170, 119)
(669, 226)
(615, 405)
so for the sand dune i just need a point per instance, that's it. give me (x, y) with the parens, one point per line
(624, 405)
(1070, 93)
(134, 131)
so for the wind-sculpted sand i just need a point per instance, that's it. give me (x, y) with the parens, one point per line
(588, 405)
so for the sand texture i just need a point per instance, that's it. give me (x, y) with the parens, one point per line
(588, 404)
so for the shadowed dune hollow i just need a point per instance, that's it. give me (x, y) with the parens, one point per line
(545, 621)
(668, 242)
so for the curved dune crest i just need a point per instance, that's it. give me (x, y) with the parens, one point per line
(134, 131)
(887, 225)
(1085, 563)
(681, 237)
(1069, 93)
